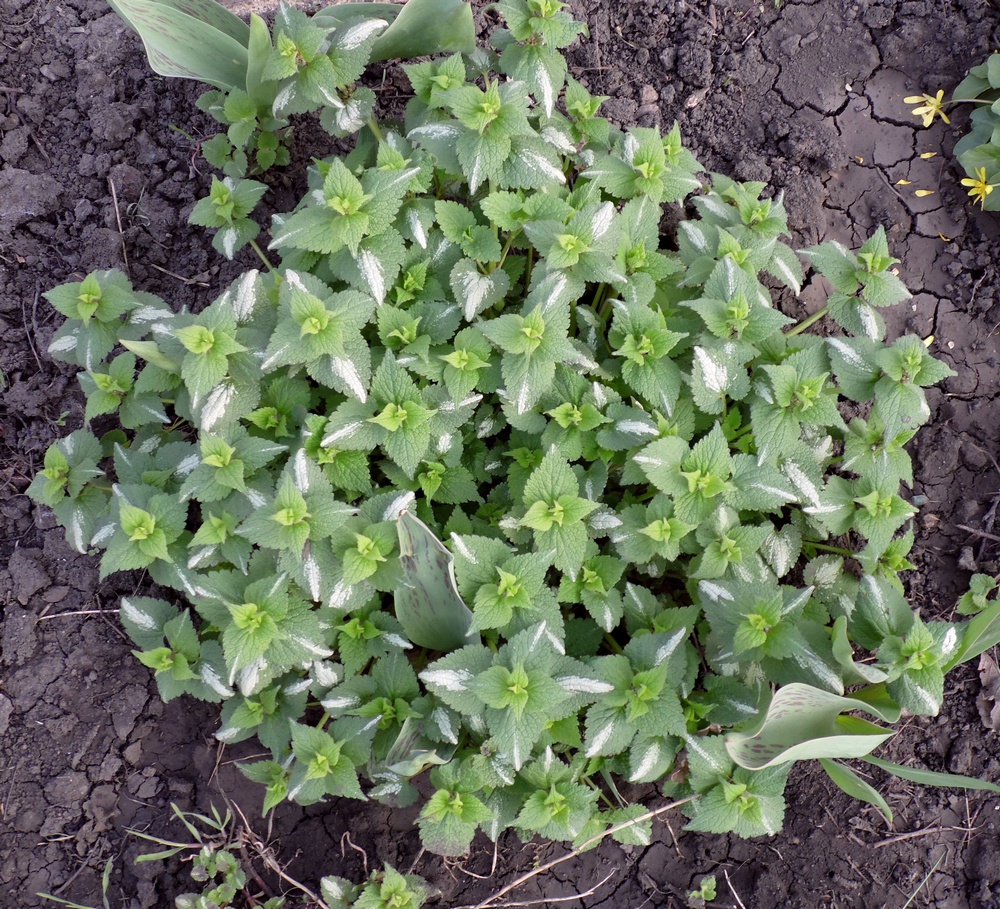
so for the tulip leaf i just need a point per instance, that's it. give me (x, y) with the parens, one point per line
(933, 777)
(418, 28)
(258, 50)
(978, 634)
(196, 39)
(804, 723)
(428, 604)
(428, 27)
(856, 787)
(414, 751)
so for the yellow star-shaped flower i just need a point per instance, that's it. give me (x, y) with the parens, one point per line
(979, 188)
(931, 106)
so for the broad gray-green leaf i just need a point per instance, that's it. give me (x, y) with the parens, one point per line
(428, 604)
(802, 723)
(426, 27)
(194, 39)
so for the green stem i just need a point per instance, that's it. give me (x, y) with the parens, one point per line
(376, 129)
(260, 253)
(601, 304)
(805, 323)
(506, 248)
(838, 550)
(600, 792)
(613, 645)
(740, 433)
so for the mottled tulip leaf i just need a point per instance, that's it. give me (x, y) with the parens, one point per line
(804, 723)
(194, 39)
(428, 604)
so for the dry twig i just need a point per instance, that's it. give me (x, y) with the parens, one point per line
(118, 219)
(548, 866)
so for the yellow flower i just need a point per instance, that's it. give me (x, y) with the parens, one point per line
(931, 106)
(979, 188)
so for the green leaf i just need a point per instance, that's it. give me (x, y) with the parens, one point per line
(428, 604)
(192, 39)
(715, 379)
(976, 599)
(804, 722)
(541, 67)
(424, 28)
(976, 636)
(847, 780)
(449, 820)
(749, 805)
(933, 777)
(477, 292)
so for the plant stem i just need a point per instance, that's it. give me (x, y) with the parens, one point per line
(506, 248)
(740, 433)
(260, 253)
(601, 305)
(838, 550)
(805, 323)
(599, 791)
(613, 645)
(375, 128)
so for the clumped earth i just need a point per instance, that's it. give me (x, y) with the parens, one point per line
(98, 169)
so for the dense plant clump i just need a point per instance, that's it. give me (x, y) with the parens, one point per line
(486, 479)
(979, 151)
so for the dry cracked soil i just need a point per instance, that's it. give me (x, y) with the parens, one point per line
(98, 170)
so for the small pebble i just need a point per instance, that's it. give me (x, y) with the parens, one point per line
(55, 594)
(55, 71)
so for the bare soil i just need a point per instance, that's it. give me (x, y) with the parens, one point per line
(98, 169)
